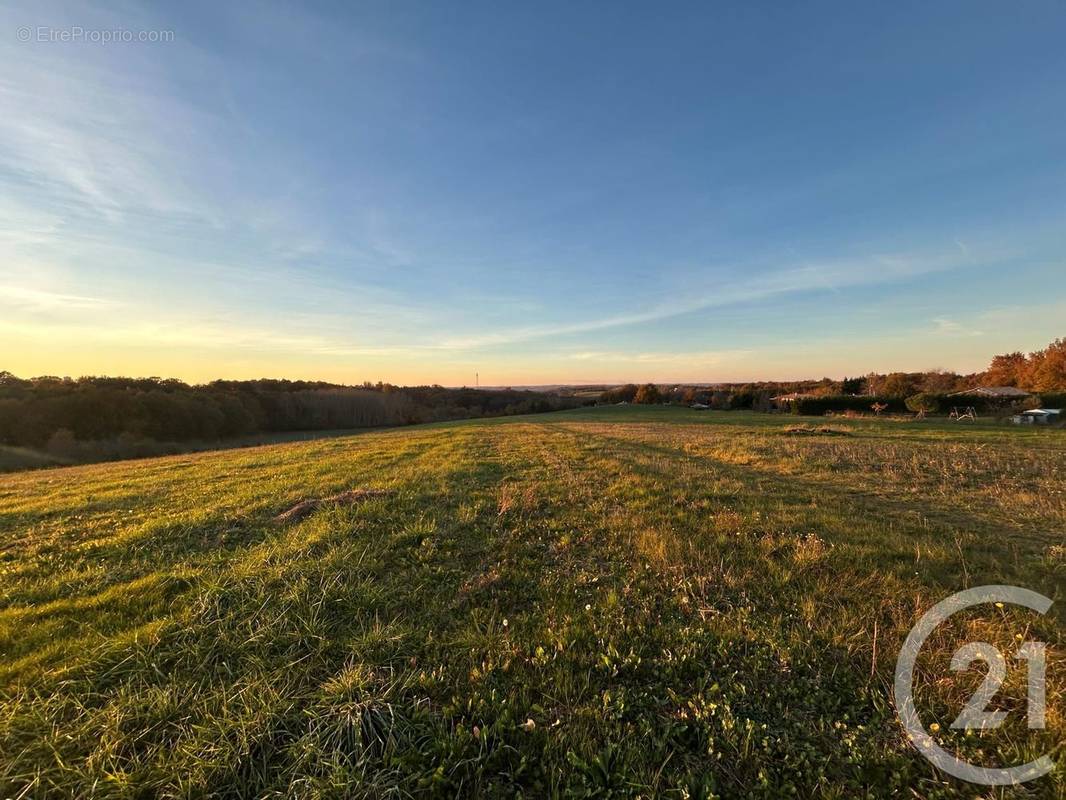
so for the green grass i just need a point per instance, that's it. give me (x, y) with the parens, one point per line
(609, 602)
(16, 459)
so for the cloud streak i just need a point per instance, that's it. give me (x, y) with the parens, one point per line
(830, 275)
(37, 300)
(950, 327)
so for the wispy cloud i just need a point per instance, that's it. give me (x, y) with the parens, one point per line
(21, 297)
(689, 358)
(588, 356)
(950, 327)
(191, 333)
(828, 275)
(103, 160)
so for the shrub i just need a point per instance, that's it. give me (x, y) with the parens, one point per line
(924, 401)
(1051, 400)
(621, 394)
(818, 406)
(648, 394)
(63, 444)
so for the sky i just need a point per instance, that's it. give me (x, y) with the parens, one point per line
(535, 193)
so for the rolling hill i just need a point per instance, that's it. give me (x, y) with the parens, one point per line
(605, 602)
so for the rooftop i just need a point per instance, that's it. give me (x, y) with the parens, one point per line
(995, 391)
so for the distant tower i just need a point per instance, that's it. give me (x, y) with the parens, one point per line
(476, 379)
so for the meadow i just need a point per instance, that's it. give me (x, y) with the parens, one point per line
(606, 602)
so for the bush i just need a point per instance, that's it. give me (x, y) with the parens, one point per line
(621, 394)
(62, 444)
(818, 406)
(924, 401)
(1051, 400)
(648, 394)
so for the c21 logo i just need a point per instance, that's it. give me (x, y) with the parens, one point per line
(974, 713)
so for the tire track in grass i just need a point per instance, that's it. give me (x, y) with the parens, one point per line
(643, 594)
(938, 542)
(850, 594)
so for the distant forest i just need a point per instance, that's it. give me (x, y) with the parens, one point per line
(1041, 373)
(93, 418)
(97, 418)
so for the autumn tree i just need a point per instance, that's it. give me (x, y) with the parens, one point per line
(648, 394)
(1007, 370)
(1047, 368)
(898, 384)
(1041, 371)
(939, 381)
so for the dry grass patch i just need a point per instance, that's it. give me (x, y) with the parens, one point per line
(822, 430)
(306, 508)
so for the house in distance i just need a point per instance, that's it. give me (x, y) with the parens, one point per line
(1038, 416)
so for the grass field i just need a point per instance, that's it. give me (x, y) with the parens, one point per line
(15, 459)
(604, 603)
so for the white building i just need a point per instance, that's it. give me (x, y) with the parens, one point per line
(1038, 416)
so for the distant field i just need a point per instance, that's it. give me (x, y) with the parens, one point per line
(609, 602)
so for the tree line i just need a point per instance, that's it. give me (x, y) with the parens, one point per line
(1042, 373)
(59, 413)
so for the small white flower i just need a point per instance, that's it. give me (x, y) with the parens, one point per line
(505, 622)
(588, 606)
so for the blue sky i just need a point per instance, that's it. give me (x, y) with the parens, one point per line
(540, 193)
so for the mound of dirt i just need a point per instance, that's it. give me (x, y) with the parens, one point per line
(822, 430)
(307, 507)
